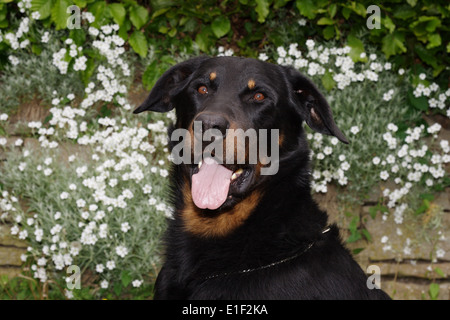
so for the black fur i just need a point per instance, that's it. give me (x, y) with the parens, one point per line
(282, 244)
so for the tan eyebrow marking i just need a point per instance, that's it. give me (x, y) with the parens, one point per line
(212, 76)
(251, 84)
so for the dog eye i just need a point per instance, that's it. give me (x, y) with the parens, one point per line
(259, 96)
(202, 90)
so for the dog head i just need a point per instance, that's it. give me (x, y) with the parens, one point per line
(241, 117)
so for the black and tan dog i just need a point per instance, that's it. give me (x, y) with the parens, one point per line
(236, 233)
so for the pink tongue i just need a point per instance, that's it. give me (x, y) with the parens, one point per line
(210, 185)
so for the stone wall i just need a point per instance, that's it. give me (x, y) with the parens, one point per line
(403, 276)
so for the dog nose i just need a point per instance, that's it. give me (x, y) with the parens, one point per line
(213, 121)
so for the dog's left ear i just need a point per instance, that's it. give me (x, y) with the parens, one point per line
(312, 105)
(170, 83)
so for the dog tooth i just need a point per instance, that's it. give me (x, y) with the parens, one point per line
(236, 174)
(200, 164)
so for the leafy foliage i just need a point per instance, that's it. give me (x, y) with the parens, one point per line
(417, 29)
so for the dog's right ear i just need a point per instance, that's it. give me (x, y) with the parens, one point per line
(170, 83)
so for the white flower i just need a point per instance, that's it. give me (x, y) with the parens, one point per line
(147, 189)
(99, 268)
(281, 52)
(81, 203)
(14, 60)
(111, 265)
(23, 234)
(35, 15)
(125, 227)
(440, 253)
(163, 172)
(345, 166)
(384, 239)
(22, 165)
(104, 284)
(310, 44)
(434, 128)
(354, 129)
(14, 230)
(137, 283)
(121, 251)
(328, 150)
(384, 175)
(263, 57)
(3, 117)
(422, 76)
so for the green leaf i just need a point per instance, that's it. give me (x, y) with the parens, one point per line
(126, 278)
(328, 32)
(387, 22)
(80, 3)
(440, 273)
(426, 56)
(357, 250)
(366, 234)
(59, 13)
(393, 43)
(307, 8)
(325, 21)
(221, 26)
(357, 47)
(434, 291)
(118, 13)
(434, 40)
(150, 75)
(118, 288)
(100, 12)
(78, 36)
(332, 9)
(202, 39)
(139, 43)
(36, 49)
(420, 103)
(43, 7)
(138, 16)
(404, 12)
(172, 33)
(88, 72)
(262, 9)
(346, 12)
(328, 81)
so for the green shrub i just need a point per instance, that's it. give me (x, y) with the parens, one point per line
(417, 29)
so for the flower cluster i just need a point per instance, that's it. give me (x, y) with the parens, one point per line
(435, 97)
(96, 201)
(410, 161)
